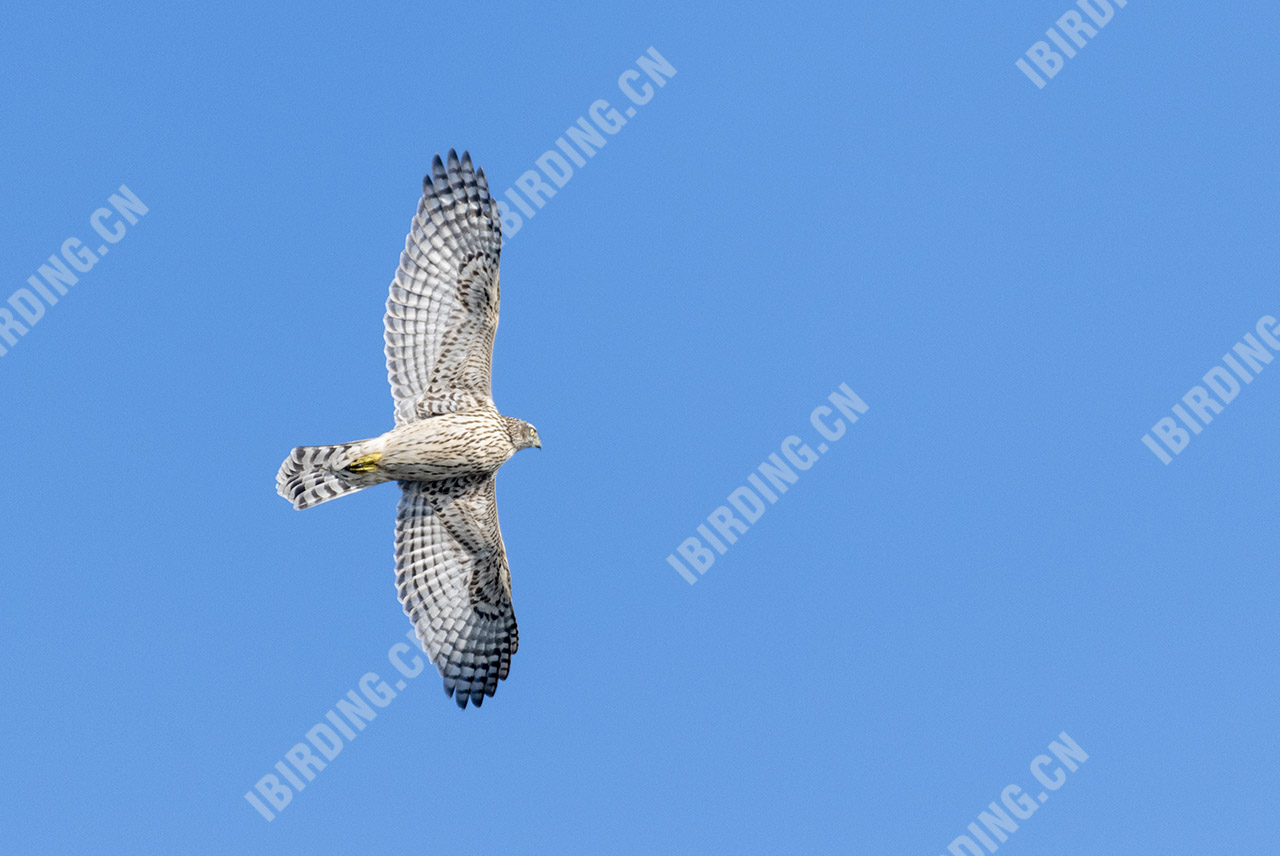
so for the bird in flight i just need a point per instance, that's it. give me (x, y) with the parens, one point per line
(448, 441)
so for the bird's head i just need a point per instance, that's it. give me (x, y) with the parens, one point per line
(524, 435)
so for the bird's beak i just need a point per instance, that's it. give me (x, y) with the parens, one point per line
(537, 444)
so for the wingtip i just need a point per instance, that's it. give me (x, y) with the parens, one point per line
(436, 172)
(464, 694)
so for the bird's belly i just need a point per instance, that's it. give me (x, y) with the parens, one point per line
(447, 446)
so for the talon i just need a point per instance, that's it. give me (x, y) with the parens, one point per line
(365, 464)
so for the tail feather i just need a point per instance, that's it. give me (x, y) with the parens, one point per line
(315, 474)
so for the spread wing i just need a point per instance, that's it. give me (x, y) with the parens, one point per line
(443, 310)
(453, 581)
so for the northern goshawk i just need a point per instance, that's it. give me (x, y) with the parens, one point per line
(449, 440)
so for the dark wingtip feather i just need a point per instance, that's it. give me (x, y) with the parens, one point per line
(453, 164)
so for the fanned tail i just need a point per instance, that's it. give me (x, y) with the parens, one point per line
(315, 474)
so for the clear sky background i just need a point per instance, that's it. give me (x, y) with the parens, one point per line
(1019, 282)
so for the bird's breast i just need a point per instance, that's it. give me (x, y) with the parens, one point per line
(447, 446)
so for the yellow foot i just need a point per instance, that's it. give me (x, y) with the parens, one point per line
(365, 464)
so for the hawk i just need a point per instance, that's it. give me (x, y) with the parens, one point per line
(448, 441)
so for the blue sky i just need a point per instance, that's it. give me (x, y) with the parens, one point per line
(1019, 283)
